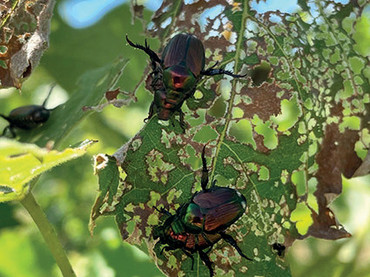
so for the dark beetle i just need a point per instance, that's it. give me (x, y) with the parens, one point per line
(27, 117)
(176, 75)
(200, 223)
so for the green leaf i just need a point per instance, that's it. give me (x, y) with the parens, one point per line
(90, 91)
(106, 168)
(22, 162)
(282, 137)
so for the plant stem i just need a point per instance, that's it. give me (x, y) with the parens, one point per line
(49, 234)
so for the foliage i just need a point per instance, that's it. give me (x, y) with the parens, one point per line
(278, 136)
(23, 162)
(282, 136)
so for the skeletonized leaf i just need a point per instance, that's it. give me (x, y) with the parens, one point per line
(282, 137)
(106, 168)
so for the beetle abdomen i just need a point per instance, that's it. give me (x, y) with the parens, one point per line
(222, 207)
(28, 117)
(201, 241)
(185, 50)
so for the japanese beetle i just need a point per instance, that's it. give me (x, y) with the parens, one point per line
(176, 74)
(200, 223)
(27, 117)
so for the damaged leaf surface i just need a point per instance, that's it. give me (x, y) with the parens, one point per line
(282, 136)
(24, 36)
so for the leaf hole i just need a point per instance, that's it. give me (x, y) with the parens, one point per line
(260, 73)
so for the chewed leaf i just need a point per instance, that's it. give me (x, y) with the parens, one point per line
(21, 162)
(107, 170)
(22, 45)
(282, 136)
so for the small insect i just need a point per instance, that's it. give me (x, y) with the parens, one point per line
(175, 76)
(27, 117)
(200, 223)
(279, 248)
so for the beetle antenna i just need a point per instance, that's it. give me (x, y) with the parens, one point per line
(47, 97)
(153, 56)
(204, 180)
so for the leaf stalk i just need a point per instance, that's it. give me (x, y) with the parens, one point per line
(48, 232)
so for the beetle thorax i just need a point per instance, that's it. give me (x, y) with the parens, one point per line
(179, 78)
(193, 218)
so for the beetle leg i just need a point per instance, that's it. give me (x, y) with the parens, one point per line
(182, 122)
(153, 56)
(204, 179)
(166, 248)
(210, 248)
(4, 131)
(203, 256)
(212, 72)
(9, 127)
(172, 121)
(207, 240)
(163, 211)
(232, 242)
(190, 256)
(157, 81)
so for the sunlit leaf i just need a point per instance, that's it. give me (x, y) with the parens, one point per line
(22, 162)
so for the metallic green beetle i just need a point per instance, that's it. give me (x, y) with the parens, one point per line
(175, 76)
(201, 222)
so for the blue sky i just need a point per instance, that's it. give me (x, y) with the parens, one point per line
(84, 13)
